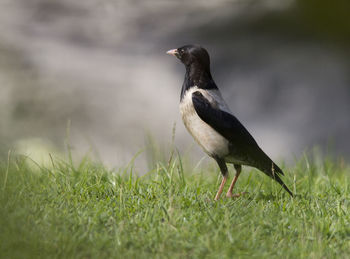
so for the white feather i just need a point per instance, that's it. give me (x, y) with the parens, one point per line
(210, 140)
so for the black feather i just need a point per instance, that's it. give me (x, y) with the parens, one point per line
(223, 122)
(242, 144)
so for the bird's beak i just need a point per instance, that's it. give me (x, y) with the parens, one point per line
(173, 52)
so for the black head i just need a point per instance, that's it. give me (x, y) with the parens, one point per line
(197, 63)
(192, 55)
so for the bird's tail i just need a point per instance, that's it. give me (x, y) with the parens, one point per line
(272, 170)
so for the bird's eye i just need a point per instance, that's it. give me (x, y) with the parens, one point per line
(182, 51)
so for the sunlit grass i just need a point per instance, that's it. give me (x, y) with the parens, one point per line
(88, 211)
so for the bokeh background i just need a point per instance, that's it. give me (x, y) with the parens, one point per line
(95, 71)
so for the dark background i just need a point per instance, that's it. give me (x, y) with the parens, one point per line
(100, 67)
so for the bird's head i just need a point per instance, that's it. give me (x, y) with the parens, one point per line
(192, 54)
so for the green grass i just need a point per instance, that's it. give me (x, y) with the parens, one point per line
(87, 211)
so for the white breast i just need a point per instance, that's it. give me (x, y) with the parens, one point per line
(211, 141)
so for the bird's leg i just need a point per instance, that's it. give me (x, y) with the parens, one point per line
(238, 172)
(224, 172)
(218, 194)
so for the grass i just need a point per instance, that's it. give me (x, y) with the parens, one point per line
(88, 211)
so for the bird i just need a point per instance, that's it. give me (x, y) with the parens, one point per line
(213, 126)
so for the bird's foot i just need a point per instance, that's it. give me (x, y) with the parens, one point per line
(235, 195)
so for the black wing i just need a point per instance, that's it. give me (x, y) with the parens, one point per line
(243, 144)
(223, 122)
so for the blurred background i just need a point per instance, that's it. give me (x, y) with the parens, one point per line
(94, 73)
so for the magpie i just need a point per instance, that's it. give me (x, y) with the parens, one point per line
(211, 123)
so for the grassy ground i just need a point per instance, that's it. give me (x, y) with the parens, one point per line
(87, 211)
